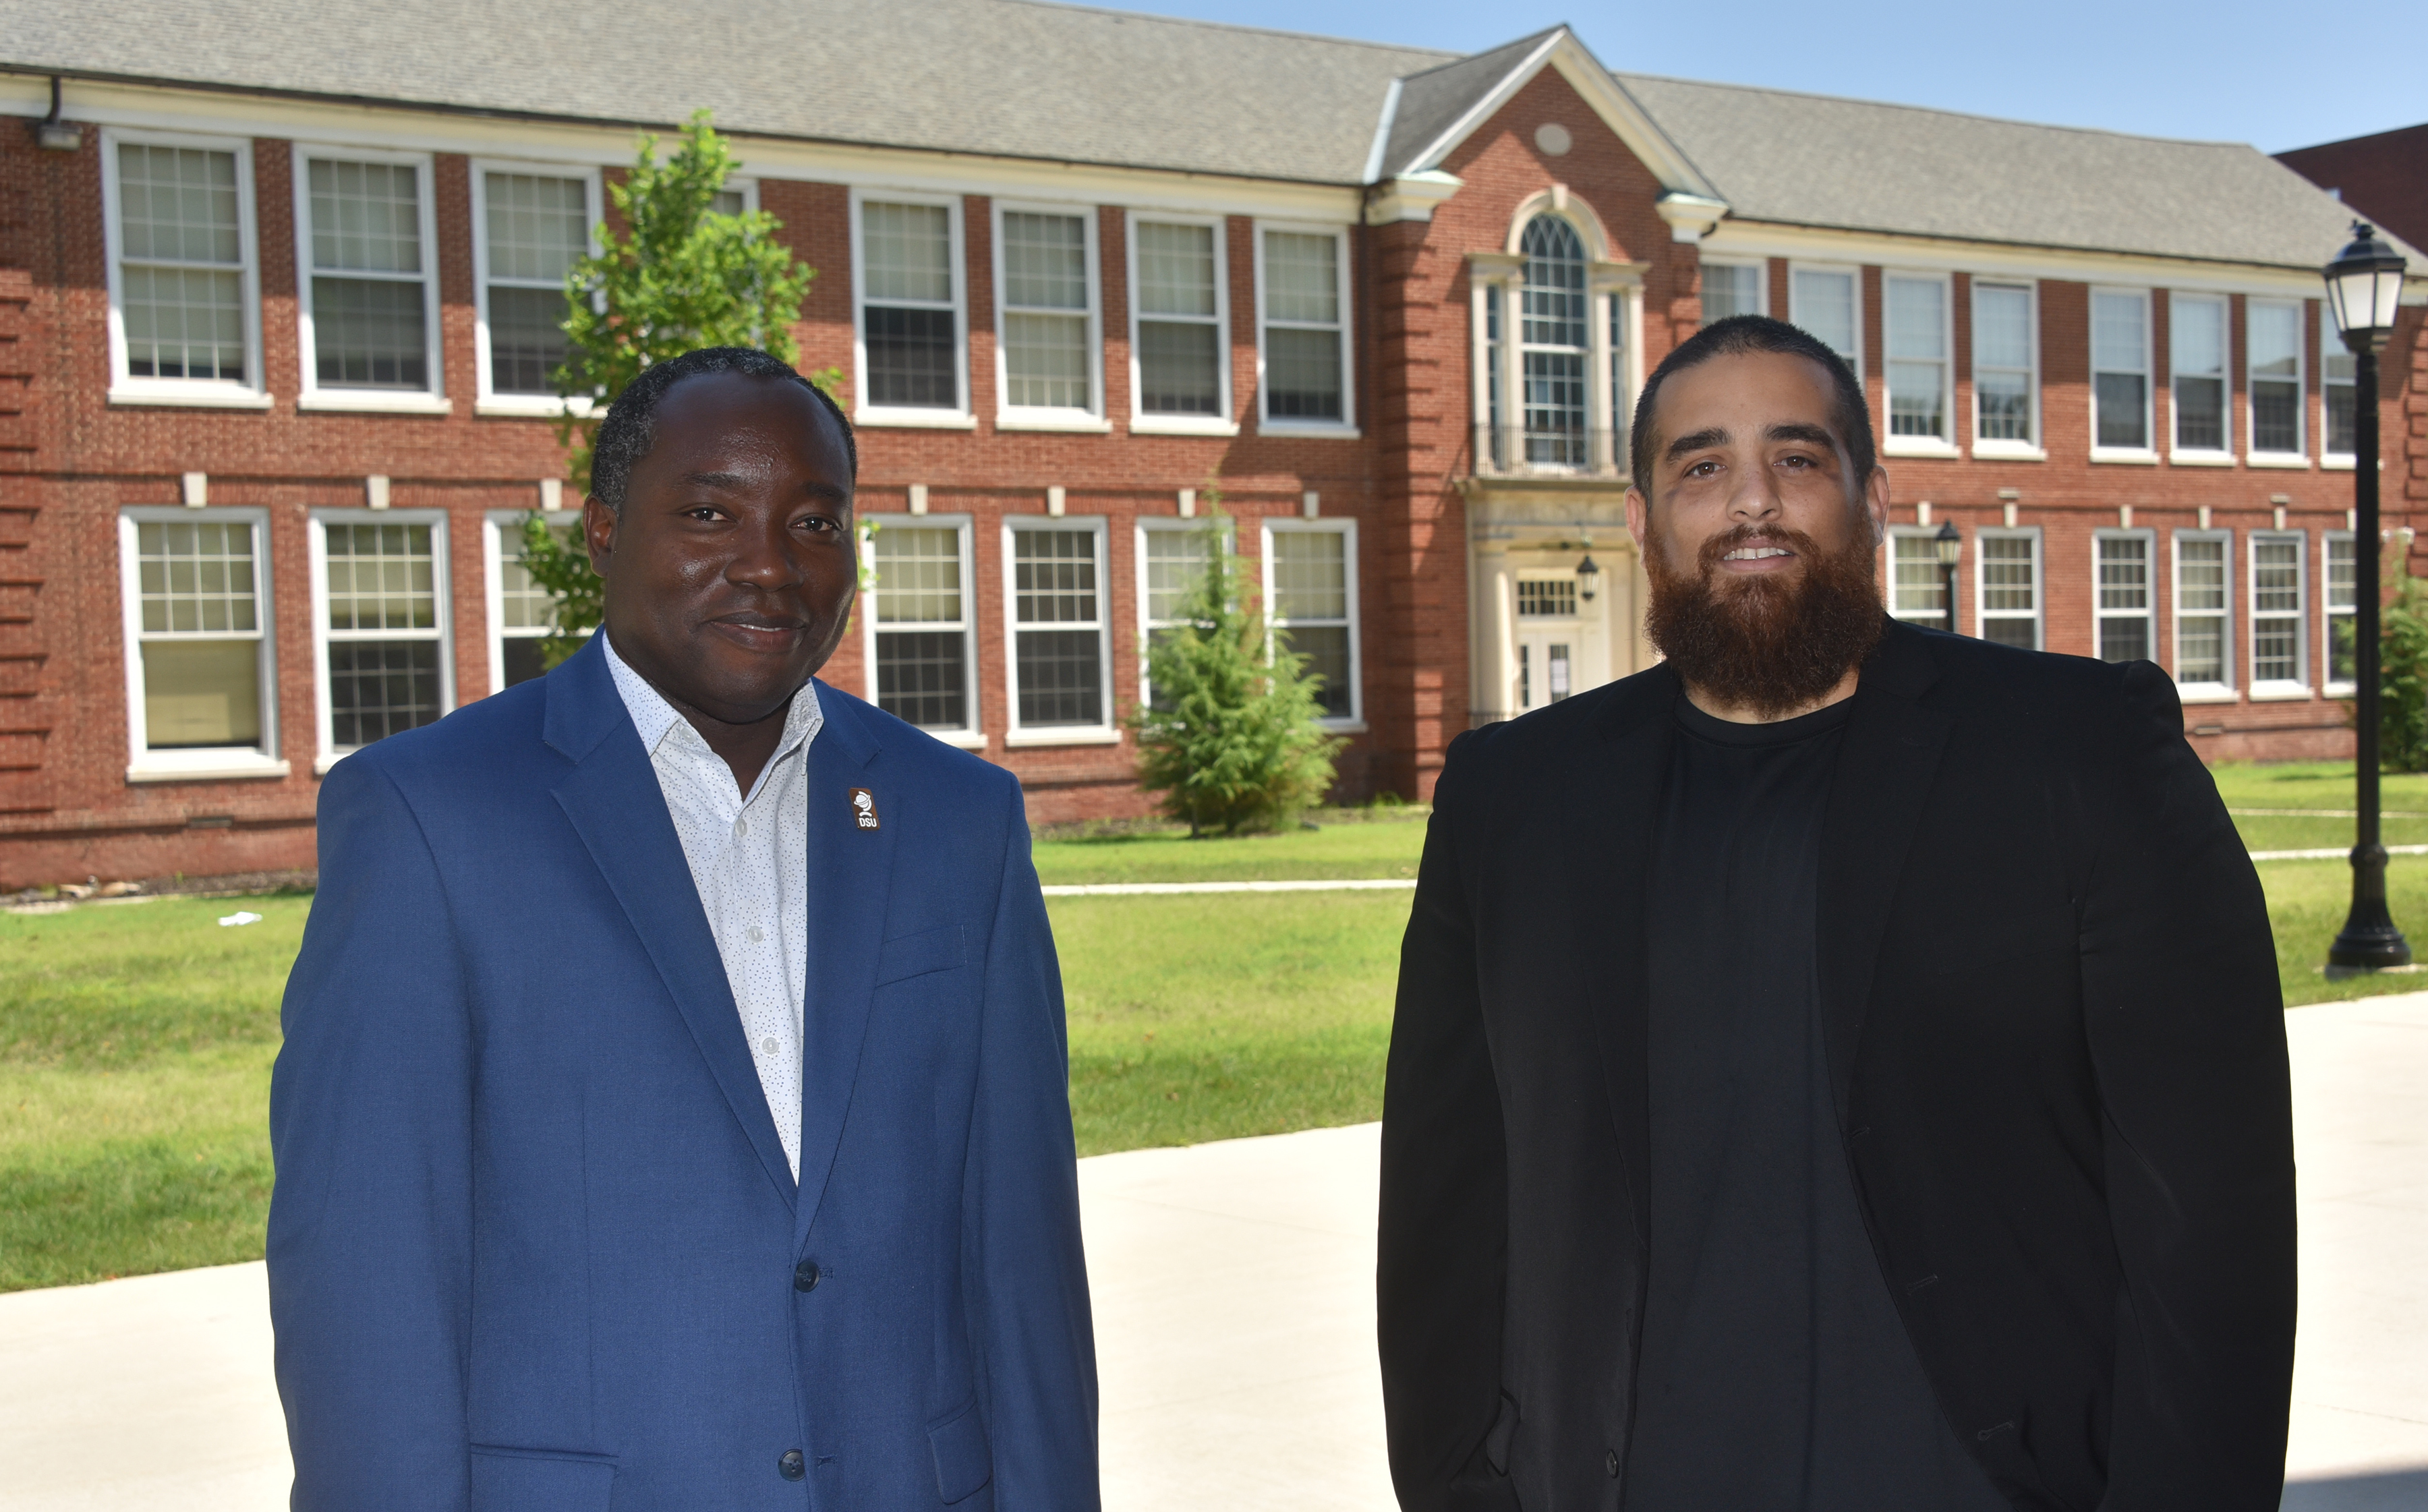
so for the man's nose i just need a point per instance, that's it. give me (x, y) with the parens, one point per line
(1756, 499)
(765, 560)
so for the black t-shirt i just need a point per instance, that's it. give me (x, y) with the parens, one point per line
(1776, 1375)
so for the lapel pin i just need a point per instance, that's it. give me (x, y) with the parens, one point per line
(863, 808)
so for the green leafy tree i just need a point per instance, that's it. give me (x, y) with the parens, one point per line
(2403, 699)
(679, 276)
(1231, 740)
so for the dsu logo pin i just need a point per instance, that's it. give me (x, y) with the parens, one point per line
(863, 808)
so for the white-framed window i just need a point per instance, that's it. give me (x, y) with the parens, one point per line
(921, 624)
(2124, 594)
(1734, 288)
(1058, 631)
(2272, 346)
(202, 686)
(911, 310)
(521, 613)
(366, 240)
(1180, 324)
(2336, 394)
(1829, 304)
(2007, 586)
(2196, 348)
(1311, 602)
(185, 293)
(530, 223)
(1921, 337)
(1049, 353)
(1171, 560)
(1304, 370)
(1549, 668)
(2006, 370)
(379, 624)
(1917, 584)
(2342, 605)
(2205, 614)
(2120, 373)
(2280, 652)
(1554, 344)
(740, 196)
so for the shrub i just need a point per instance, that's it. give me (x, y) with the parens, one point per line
(2403, 678)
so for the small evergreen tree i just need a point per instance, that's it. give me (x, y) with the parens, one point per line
(681, 276)
(2403, 678)
(1231, 740)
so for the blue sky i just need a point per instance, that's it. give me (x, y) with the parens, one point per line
(2226, 70)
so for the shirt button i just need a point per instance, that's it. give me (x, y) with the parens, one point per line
(767, 1045)
(805, 1277)
(1611, 1464)
(755, 934)
(741, 828)
(790, 1466)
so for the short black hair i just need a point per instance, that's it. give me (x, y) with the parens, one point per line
(627, 434)
(1735, 336)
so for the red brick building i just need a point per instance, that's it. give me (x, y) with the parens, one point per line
(274, 325)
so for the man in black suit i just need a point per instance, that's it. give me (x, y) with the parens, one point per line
(1841, 1068)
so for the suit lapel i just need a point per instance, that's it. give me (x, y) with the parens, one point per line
(612, 797)
(851, 874)
(1885, 766)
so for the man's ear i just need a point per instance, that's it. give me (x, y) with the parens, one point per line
(1640, 519)
(1875, 502)
(599, 532)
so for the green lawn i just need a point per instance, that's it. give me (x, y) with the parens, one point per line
(2317, 786)
(1384, 843)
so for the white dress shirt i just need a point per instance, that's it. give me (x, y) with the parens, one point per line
(750, 858)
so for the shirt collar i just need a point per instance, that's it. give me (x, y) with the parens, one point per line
(656, 719)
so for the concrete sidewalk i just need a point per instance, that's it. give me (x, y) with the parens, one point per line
(1234, 1316)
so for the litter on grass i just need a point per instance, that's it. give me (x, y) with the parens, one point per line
(241, 916)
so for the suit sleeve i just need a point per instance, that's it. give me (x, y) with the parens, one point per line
(369, 1219)
(1026, 1273)
(1442, 1239)
(2186, 1033)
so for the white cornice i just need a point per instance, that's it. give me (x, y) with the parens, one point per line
(1410, 196)
(1691, 217)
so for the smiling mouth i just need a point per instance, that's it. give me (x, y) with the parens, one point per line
(1756, 554)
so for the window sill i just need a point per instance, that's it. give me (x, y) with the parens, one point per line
(2206, 693)
(175, 397)
(2279, 693)
(2341, 690)
(371, 402)
(2128, 455)
(2201, 459)
(1342, 727)
(204, 766)
(1018, 738)
(1182, 425)
(965, 739)
(1918, 446)
(530, 406)
(1053, 420)
(321, 768)
(2287, 460)
(2008, 451)
(1312, 433)
(2334, 464)
(924, 420)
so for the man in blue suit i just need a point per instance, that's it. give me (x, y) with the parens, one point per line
(673, 1108)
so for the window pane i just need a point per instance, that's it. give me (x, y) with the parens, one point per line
(2007, 574)
(202, 693)
(1179, 371)
(1917, 402)
(1045, 261)
(2119, 332)
(178, 205)
(1555, 407)
(1045, 360)
(2197, 337)
(1556, 300)
(2124, 573)
(1054, 577)
(537, 226)
(1326, 649)
(184, 322)
(368, 335)
(377, 688)
(1730, 289)
(197, 578)
(910, 253)
(2022, 633)
(2339, 573)
(910, 358)
(1825, 307)
(2002, 330)
(2200, 649)
(1061, 678)
(2274, 331)
(365, 217)
(1176, 564)
(1175, 269)
(919, 677)
(380, 577)
(1310, 575)
(729, 201)
(527, 341)
(2122, 417)
(918, 575)
(2005, 400)
(1555, 598)
(522, 603)
(522, 660)
(1918, 585)
(1302, 277)
(2200, 413)
(2275, 577)
(2124, 638)
(2342, 661)
(1303, 375)
(1917, 318)
(2276, 414)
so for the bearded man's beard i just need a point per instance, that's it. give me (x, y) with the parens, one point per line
(1773, 643)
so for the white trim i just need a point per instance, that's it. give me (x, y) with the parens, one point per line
(1347, 529)
(444, 612)
(2299, 686)
(593, 197)
(1760, 268)
(746, 187)
(1888, 560)
(429, 400)
(125, 388)
(1854, 276)
(1344, 428)
(2031, 447)
(1374, 168)
(2329, 614)
(1225, 421)
(2148, 451)
(958, 416)
(2222, 454)
(2300, 454)
(498, 527)
(971, 733)
(1091, 415)
(1945, 443)
(2222, 690)
(2101, 614)
(1109, 730)
(2039, 580)
(195, 764)
(2331, 344)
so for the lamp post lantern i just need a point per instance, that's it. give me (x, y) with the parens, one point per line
(1950, 549)
(2363, 284)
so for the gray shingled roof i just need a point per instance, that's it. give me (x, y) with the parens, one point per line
(1001, 78)
(1431, 102)
(1809, 161)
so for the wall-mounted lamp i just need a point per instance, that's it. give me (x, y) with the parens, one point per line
(1589, 578)
(53, 135)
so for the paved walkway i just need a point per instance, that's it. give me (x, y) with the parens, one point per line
(1234, 1309)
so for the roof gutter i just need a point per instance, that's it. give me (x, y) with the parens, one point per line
(1381, 135)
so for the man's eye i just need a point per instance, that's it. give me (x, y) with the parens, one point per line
(1704, 469)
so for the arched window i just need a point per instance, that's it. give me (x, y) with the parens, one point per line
(1554, 343)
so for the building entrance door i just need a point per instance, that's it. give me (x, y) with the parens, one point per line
(1547, 665)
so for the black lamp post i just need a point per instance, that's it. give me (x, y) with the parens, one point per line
(1951, 548)
(2363, 284)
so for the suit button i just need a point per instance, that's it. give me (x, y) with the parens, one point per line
(1611, 1464)
(790, 1466)
(805, 1277)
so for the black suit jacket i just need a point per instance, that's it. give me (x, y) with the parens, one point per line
(2056, 1040)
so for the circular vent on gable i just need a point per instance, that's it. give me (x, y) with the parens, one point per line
(1554, 139)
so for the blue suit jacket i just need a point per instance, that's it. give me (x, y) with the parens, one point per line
(535, 1245)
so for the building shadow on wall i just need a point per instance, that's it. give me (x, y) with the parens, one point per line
(2403, 1490)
